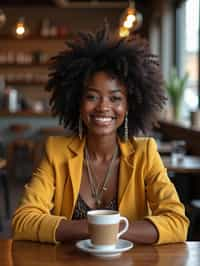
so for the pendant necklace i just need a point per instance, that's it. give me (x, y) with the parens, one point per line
(98, 189)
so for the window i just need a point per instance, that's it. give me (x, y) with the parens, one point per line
(187, 50)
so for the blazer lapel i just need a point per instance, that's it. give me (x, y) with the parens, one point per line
(126, 171)
(72, 186)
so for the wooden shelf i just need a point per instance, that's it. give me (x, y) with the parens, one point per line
(35, 38)
(24, 114)
(25, 65)
(26, 83)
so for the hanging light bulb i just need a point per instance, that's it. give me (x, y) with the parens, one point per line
(21, 29)
(131, 19)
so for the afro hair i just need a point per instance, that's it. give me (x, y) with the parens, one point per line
(127, 59)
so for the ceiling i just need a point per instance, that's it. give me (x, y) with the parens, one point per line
(59, 3)
(47, 2)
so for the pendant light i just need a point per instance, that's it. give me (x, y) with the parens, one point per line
(21, 29)
(130, 20)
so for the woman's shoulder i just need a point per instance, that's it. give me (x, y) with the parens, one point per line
(142, 140)
(144, 143)
(61, 142)
(61, 146)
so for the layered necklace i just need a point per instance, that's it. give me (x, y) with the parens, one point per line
(97, 189)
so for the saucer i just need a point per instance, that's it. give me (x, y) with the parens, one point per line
(122, 245)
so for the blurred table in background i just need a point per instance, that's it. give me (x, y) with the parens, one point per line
(189, 164)
(165, 148)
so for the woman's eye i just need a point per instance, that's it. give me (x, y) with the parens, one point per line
(91, 97)
(115, 98)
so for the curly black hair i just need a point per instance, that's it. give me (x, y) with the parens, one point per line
(127, 59)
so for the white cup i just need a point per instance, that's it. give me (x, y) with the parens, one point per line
(103, 227)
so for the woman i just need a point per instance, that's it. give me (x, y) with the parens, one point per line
(107, 91)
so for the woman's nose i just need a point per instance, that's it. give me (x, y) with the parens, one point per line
(104, 103)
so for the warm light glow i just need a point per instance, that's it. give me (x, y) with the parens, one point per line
(123, 32)
(127, 24)
(20, 29)
(131, 18)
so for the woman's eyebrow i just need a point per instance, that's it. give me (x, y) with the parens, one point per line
(115, 90)
(91, 88)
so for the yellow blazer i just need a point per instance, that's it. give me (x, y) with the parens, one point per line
(145, 191)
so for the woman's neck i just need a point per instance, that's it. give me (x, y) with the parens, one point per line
(101, 148)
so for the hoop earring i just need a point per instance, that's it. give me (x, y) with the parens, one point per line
(80, 128)
(126, 127)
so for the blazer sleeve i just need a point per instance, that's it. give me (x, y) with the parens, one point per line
(168, 213)
(33, 219)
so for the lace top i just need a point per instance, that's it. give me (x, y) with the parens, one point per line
(81, 209)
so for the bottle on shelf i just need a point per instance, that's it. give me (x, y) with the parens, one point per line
(45, 28)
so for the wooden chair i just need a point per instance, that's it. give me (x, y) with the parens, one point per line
(6, 191)
(193, 212)
(19, 159)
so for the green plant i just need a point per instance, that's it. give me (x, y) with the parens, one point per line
(175, 88)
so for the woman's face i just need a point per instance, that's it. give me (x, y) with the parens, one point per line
(104, 104)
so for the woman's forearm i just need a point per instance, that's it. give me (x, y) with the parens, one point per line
(72, 230)
(141, 232)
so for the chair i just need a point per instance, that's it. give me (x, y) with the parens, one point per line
(193, 212)
(39, 144)
(6, 191)
(19, 159)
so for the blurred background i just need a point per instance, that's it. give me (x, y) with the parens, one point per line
(31, 32)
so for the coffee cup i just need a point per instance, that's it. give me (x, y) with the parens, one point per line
(103, 228)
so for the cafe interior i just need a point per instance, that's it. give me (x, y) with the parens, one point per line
(31, 32)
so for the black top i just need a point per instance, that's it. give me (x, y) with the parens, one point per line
(81, 209)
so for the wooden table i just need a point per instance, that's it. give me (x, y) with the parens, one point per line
(189, 165)
(21, 253)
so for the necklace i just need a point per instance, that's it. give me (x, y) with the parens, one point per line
(98, 189)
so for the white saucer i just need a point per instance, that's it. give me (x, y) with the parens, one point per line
(122, 245)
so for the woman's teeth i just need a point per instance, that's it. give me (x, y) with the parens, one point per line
(103, 119)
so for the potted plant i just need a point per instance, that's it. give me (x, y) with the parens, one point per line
(175, 88)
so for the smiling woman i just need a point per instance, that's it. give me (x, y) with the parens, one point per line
(107, 91)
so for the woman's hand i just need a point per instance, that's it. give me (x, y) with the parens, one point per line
(141, 232)
(72, 230)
